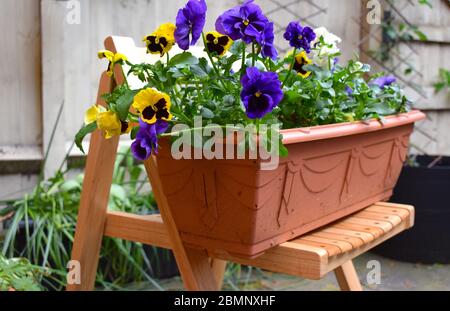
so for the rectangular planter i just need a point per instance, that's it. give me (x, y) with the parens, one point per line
(331, 171)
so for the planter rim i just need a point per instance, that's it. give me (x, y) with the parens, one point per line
(297, 135)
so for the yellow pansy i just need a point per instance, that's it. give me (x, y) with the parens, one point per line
(110, 123)
(152, 105)
(161, 40)
(302, 59)
(217, 42)
(114, 58)
(91, 114)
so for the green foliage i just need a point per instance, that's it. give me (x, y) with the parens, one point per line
(443, 82)
(85, 130)
(341, 96)
(19, 274)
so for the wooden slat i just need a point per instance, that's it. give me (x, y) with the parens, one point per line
(364, 236)
(343, 246)
(408, 208)
(384, 210)
(330, 249)
(383, 225)
(392, 219)
(355, 242)
(376, 232)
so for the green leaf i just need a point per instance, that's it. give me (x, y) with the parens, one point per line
(421, 35)
(202, 69)
(283, 151)
(70, 185)
(181, 59)
(134, 132)
(207, 113)
(87, 129)
(124, 102)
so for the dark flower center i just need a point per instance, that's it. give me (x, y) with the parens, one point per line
(159, 109)
(258, 103)
(216, 44)
(148, 113)
(124, 126)
(156, 44)
(298, 65)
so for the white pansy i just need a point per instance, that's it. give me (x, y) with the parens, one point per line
(321, 52)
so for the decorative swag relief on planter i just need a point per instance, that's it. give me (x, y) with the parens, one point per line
(331, 171)
(343, 133)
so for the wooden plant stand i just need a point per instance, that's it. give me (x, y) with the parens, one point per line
(311, 256)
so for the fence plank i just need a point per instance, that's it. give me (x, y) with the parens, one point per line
(20, 101)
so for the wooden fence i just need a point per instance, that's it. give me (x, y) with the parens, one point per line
(48, 59)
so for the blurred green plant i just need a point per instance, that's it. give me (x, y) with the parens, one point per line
(395, 31)
(443, 83)
(19, 274)
(43, 227)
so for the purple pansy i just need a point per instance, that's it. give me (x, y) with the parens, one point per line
(246, 22)
(261, 92)
(147, 139)
(266, 41)
(383, 81)
(190, 22)
(299, 37)
(349, 91)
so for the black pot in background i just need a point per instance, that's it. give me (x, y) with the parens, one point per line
(428, 190)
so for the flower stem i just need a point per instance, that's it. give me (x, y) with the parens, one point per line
(124, 77)
(290, 68)
(243, 58)
(253, 54)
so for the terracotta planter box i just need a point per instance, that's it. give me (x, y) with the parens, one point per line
(331, 171)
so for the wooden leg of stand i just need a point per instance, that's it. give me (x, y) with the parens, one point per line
(218, 267)
(347, 278)
(94, 202)
(194, 265)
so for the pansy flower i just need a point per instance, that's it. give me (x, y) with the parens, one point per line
(299, 37)
(114, 58)
(106, 120)
(162, 40)
(217, 42)
(302, 59)
(246, 22)
(152, 105)
(383, 81)
(147, 139)
(261, 92)
(266, 41)
(189, 23)
(109, 122)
